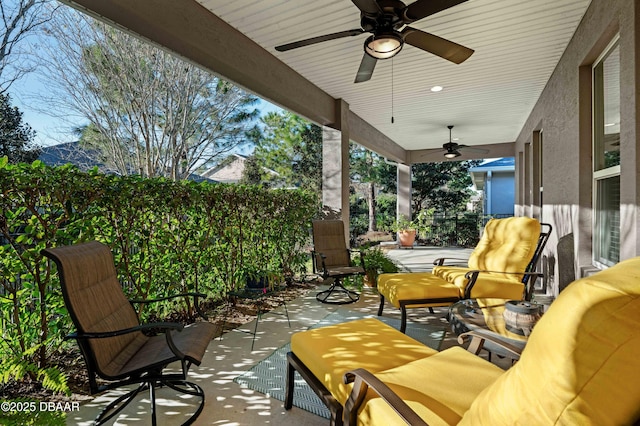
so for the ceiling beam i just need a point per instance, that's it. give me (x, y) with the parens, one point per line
(191, 31)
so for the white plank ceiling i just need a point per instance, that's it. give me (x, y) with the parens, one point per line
(517, 45)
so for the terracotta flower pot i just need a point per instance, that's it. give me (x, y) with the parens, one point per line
(407, 237)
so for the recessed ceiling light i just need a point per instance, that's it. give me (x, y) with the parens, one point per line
(436, 88)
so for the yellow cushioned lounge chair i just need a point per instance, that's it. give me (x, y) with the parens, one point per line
(501, 266)
(579, 367)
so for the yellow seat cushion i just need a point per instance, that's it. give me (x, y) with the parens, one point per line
(580, 365)
(487, 284)
(440, 388)
(331, 351)
(415, 286)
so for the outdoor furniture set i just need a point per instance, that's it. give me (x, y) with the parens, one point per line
(579, 364)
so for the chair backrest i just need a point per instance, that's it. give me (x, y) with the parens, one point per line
(507, 245)
(96, 303)
(581, 365)
(329, 240)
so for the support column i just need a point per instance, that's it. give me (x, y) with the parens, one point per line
(403, 203)
(335, 167)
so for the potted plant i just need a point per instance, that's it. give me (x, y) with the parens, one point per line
(258, 278)
(376, 262)
(406, 230)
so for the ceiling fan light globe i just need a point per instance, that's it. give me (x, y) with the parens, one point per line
(384, 45)
(452, 154)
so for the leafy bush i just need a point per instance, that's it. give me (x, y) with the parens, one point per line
(166, 237)
(376, 262)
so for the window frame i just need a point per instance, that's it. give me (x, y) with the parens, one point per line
(600, 174)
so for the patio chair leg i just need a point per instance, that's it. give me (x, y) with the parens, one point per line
(381, 307)
(117, 405)
(340, 290)
(152, 396)
(255, 329)
(288, 396)
(284, 302)
(403, 320)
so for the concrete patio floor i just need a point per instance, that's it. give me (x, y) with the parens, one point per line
(227, 403)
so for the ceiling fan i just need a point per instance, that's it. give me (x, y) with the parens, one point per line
(385, 20)
(452, 149)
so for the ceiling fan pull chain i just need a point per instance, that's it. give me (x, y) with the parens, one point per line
(392, 120)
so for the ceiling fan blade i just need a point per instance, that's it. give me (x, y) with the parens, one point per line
(319, 39)
(439, 46)
(472, 149)
(368, 7)
(365, 71)
(423, 8)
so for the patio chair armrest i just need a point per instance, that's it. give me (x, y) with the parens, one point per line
(472, 276)
(440, 261)
(478, 337)
(163, 326)
(175, 296)
(363, 380)
(314, 262)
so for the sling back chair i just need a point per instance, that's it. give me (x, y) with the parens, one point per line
(502, 266)
(332, 260)
(111, 338)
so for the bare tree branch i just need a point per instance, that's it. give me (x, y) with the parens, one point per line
(152, 113)
(18, 20)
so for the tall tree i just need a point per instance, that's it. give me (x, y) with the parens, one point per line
(152, 113)
(18, 20)
(291, 146)
(368, 171)
(16, 137)
(441, 186)
(252, 173)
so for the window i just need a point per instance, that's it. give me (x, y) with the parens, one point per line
(606, 156)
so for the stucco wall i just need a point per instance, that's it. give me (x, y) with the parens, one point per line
(563, 114)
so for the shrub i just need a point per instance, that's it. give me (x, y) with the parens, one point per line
(167, 237)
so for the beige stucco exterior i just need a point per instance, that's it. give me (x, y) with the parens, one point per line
(563, 116)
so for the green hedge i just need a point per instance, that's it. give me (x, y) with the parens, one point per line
(166, 236)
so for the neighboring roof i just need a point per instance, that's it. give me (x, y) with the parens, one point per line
(85, 159)
(478, 173)
(499, 164)
(72, 153)
(230, 169)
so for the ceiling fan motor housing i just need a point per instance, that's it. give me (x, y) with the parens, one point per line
(390, 19)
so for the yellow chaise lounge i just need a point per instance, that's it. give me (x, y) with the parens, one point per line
(581, 366)
(502, 266)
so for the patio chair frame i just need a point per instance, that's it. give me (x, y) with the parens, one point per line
(149, 376)
(333, 274)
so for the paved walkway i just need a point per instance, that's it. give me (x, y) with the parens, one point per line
(229, 404)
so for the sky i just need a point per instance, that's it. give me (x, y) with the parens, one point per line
(52, 130)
